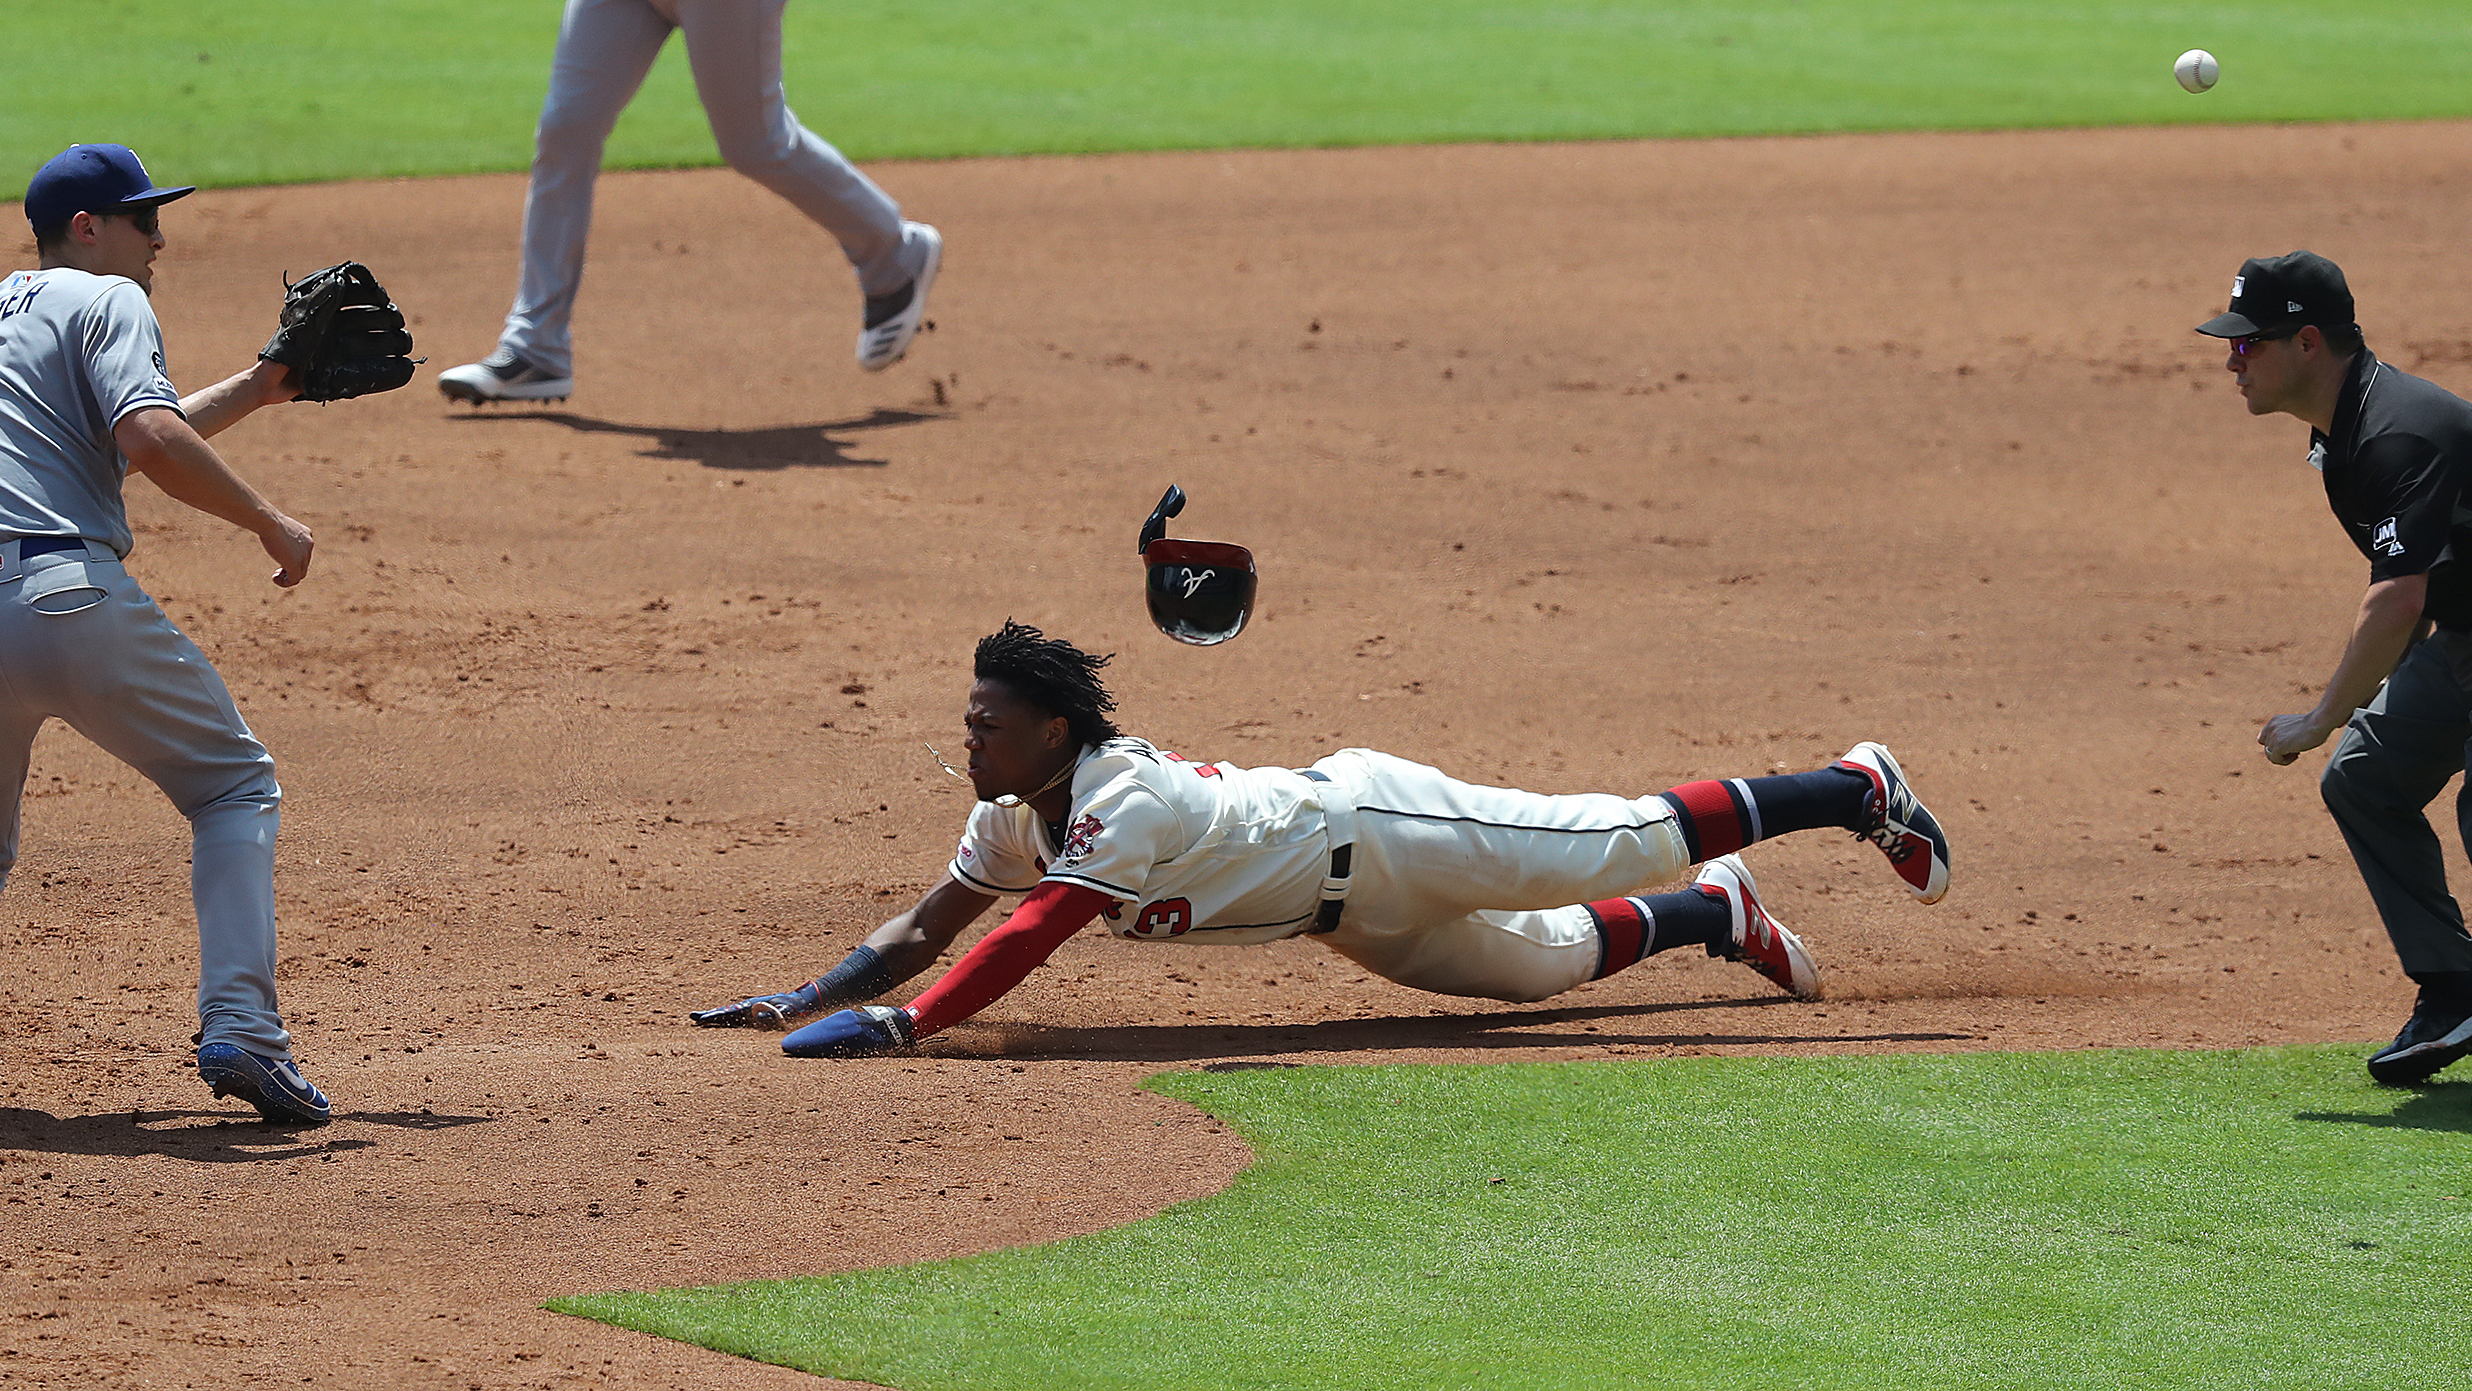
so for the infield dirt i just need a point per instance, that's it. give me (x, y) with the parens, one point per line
(1596, 467)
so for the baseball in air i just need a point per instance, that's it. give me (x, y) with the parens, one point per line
(2197, 70)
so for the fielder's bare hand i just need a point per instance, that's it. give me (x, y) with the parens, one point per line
(289, 543)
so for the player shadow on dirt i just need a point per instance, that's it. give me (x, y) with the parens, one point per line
(767, 450)
(234, 1138)
(2432, 1106)
(1497, 1029)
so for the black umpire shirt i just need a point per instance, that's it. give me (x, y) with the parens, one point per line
(2396, 465)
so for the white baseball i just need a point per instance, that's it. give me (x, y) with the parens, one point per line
(2197, 70)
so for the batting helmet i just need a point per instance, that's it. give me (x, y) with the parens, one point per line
(1199, 592)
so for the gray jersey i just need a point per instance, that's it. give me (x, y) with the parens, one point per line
(77, 353)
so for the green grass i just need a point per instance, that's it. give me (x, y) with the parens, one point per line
(2246, 1220)
(284, 90)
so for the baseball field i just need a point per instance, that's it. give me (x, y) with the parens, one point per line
(1569, 464)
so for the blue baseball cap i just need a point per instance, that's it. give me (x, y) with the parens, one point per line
(93, 179)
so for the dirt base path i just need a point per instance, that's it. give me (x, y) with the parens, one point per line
(1572, 467)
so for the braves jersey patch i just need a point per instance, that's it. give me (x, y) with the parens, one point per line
(1077, 842)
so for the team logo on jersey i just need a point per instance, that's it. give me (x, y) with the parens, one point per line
(1079, 840)
(967, 854)
(2383, 541)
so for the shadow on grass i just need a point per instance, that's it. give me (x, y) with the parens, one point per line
(1498, 1029)
(767, 450)
(2431, 1106)
(222, 1138)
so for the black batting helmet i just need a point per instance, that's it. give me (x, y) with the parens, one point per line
(1199, 592)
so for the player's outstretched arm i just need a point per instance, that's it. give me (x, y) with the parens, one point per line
(903, 947)
(1050, 914)
(223, 405)
(162, 446)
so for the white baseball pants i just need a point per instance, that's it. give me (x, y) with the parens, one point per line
(605, 47)
(80, 642)
(1468, 890)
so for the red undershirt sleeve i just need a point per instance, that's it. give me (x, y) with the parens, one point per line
(1046, 917)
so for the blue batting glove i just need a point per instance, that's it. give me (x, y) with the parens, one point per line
(853, 1033)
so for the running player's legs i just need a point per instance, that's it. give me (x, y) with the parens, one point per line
(734, 47)
(604, 49)
(120, 674)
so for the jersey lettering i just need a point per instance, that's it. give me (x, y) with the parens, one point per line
(1169, 917)
(22, 297)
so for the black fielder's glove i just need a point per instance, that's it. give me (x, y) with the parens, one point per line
(341, 336)
(853, 1033)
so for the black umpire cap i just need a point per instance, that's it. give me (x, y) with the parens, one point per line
(2274, 296)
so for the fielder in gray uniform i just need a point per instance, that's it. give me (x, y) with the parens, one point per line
(84, 399)
(604, 49)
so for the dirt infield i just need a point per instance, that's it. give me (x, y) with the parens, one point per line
(1575, 467)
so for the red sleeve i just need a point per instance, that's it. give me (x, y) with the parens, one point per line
(1050, 914)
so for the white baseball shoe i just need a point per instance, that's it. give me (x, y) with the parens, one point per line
(503, 376)
(1760, 941)
(894, 319)
(1897, 821)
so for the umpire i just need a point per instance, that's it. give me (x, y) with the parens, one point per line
(2396, 452)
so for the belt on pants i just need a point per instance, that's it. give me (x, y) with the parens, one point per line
(15, 552)
(1339, 813)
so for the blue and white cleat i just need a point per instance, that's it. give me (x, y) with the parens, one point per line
(273, 1085)
(1897, 821)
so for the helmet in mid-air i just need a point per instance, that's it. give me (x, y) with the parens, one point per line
(1199, 592)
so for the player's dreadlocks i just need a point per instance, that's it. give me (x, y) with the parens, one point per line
(1051, 674)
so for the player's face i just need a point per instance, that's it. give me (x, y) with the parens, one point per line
(125, 244)
(1014, 746)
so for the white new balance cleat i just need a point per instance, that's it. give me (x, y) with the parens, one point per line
(503, 376)
(894, 319)
(1760, 941)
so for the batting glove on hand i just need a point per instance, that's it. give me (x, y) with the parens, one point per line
(854, 1033)
(763, 1011)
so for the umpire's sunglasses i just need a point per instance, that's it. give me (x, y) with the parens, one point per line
(2242, 344)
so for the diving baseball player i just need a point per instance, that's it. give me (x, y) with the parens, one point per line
(604, 49)
(84, 399)
(1419, 878)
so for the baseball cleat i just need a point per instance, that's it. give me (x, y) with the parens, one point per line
(503, 376)
(893, 320)
(763, 1011)
(2435, 1035)
(273, 1085)
(1897, 821)
(1760, 941)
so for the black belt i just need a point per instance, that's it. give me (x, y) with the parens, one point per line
(1342, 862)
(48, 545)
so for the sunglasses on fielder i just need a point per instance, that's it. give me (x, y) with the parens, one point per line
(2242, 345)
(148, 220)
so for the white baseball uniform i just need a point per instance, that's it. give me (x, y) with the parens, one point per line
(1452, 887)
(605, 47)
(80, 642)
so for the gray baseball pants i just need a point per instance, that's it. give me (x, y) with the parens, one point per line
(2394, 759)
(80, 642)
(605, 47)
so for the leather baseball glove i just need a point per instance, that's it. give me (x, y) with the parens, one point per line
(341, 336)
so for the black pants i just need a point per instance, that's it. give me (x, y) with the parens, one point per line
(2394, 759)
